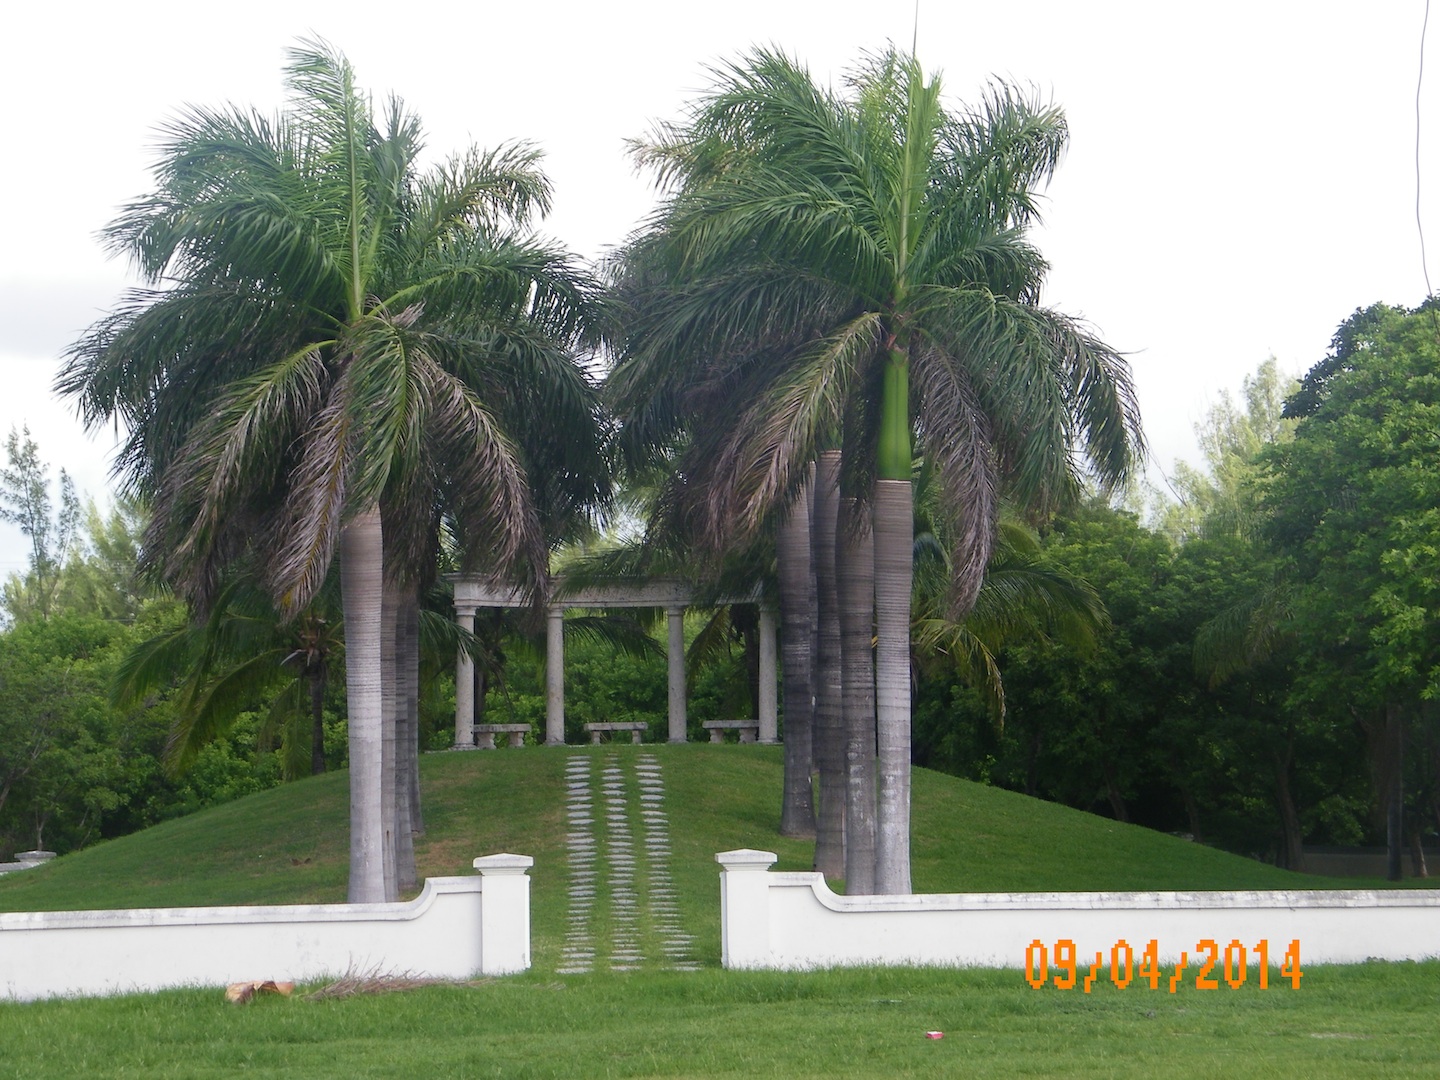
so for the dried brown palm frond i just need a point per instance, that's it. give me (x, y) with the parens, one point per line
(355, 984)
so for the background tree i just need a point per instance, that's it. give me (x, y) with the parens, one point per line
(1354, 510)
(1219, 495)
(25, 502)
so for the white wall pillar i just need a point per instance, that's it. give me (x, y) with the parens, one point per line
(464, 684)
(675, 653)
(555, 676)
(745, 907)
(504, 913)
(769, 725)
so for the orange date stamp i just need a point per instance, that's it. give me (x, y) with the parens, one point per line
(1212, 965)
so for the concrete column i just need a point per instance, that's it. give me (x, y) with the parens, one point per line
(769, 725)
(504, 913)
(555, 677)
(464, 684)
(745, 907)
(675, 653)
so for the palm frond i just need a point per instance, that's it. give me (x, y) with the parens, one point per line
(626, 632)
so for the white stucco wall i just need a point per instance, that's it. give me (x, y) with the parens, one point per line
(791, 920)
(457, 927)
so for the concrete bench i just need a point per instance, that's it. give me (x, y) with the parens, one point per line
(485, 734)
(749, 729)
(635, 727)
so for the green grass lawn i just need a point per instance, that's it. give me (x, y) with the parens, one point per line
(289, 845)
(1368, 1020)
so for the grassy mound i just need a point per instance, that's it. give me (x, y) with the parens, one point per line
(289, 845)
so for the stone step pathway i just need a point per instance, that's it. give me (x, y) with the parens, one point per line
(620, 900)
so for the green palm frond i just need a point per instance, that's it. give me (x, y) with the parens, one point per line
(236, 658)
(969, 656)
(1245, 634)
(287, 722)
(626, 631)
(792, 213)
(710, 645)
(208, 710)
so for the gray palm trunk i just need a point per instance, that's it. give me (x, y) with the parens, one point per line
(410, 688)
(391, 600)
(829, 723)
(855, 587)
(406, 748)
(894, 570)
(792, 564)
(361, 574)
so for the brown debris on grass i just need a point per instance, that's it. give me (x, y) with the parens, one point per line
(241, 992)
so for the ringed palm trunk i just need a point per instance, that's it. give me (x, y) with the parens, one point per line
(361, 572)
(894, 570)
(829, 724)
(855, 587)
(388, 815)
(406, 752)
(894, 543)
(410, 686)
(792, 564)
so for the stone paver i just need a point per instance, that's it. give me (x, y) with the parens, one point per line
(601, 845)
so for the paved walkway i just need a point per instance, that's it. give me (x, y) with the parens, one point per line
(621, 898)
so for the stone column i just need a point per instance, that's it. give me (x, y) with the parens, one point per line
(675, 653)
(745, 908)
(555, 676)
(464, 683)
(769, 725)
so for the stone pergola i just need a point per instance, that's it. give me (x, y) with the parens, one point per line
(674, 595)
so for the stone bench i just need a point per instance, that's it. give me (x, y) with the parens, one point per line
(485, 734)
(749, 729)
(635, 727)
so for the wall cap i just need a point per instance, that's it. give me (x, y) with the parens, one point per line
(746, 859)
(503, 863)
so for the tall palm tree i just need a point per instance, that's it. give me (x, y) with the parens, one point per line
(332, 333)
(857, 262)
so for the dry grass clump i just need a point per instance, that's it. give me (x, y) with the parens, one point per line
(354, 984)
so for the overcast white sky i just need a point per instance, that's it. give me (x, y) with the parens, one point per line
(1241, 175)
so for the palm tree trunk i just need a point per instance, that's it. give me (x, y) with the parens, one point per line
(894, 521)
(894, 567)
(406, 750)
(829, 723)
(391, 604)
(855, 586)
(792, 564)
(360, 587)
(411, 686)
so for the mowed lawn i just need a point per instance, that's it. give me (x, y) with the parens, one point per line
(288, 845)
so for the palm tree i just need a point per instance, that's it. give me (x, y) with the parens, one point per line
(240, 655)
(337, 335)
(857, 263)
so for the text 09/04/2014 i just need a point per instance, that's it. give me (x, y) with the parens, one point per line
(1212, 965)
